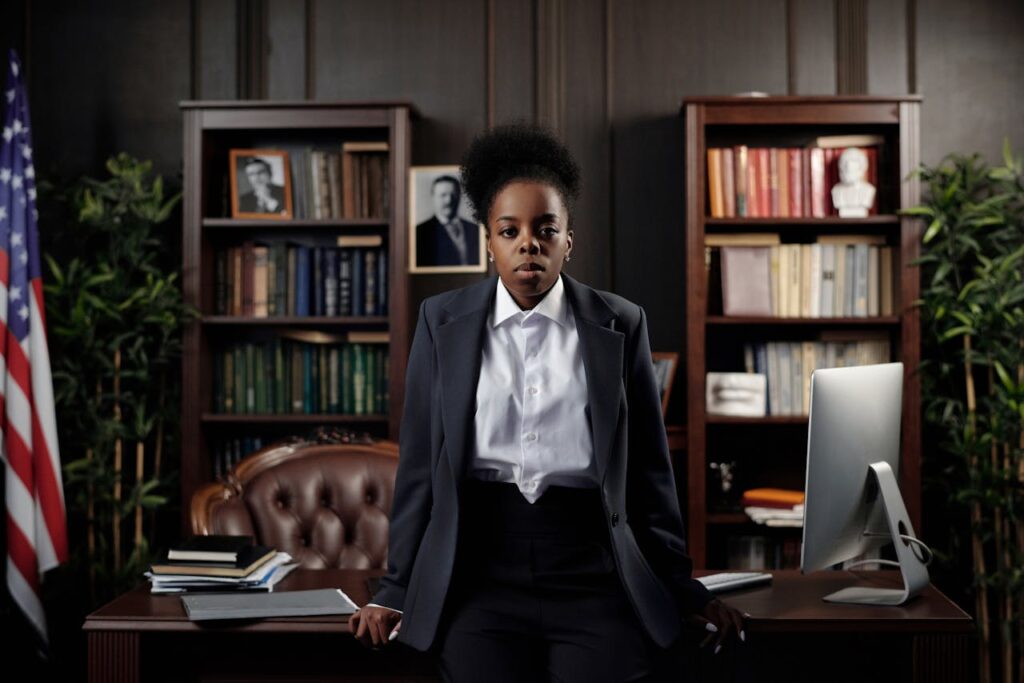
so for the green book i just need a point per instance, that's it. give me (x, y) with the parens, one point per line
(250, 378)
(324, 377)
(347, 402)
(385, 386)
(259, 379)
(297, 375)
(239, 355)
(290, 275)
(333, 369)
(359, 379)
(371, 380)
(307, 379)
(228, 360)
(279, 378)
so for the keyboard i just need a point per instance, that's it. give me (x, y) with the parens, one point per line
(727, 581)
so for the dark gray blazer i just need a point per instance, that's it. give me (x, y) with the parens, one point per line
(630, 450)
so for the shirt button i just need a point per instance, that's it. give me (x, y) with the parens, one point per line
(530, 436)
(534, 390)
(531, 486)
(615, 519)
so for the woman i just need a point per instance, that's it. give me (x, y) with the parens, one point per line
(535, 532)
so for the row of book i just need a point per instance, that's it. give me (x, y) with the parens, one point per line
(285, 376)
(791, 182)
(280, 278)
(838, 276)
(219, 563)
(788, 366)
(750, 552)
(229, 452)
(339, 184)
(774, 507)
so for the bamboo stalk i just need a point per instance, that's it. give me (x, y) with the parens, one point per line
(116, 516)
(158, 449)
(1002, 606)
(140, 453)
(1020, 527)
(1007, 631)
(977, 548)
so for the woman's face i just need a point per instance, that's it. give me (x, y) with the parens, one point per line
(528, 235)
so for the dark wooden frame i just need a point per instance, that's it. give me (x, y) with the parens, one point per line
(204, 124)
(673, 358)
(900, 117)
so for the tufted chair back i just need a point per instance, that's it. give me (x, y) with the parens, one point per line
(325, 505)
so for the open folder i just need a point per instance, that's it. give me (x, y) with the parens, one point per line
(259, 605)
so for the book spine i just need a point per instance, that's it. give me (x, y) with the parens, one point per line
(347, 383)
(860, 299)
(796, 378)
(370, 288)
(323, 379)
(795, 270)
(237, 271)
(261, 282)
(764, 188)
(714, 183)
(873, 281)
(828, 276)
(885, 276)
(334, 182)
(773, 182)
(839, 283)
(280, 386)
(302, 278)
(317, 285)
(850, 305)
(298, 373)
(344, 281)
(307, 379)
(796, 183)
(250, 379)
(382, 281)
(292, 275)
(753, 184)
(818, 189)
(221, 295)
(740, 179)
(728, 183)
(773, 278)
(805, 281)
(782, 280)
(359, 379)
(814, 309)
(782, 160)
(330, 257)
(271, 294)
(334, 370)
(358, 282)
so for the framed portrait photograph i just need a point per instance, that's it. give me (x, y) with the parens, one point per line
(665, 365)
(443, 236)
(260, 184)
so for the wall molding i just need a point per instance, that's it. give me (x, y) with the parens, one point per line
(550, 64)
(252, 50)
(851, 47)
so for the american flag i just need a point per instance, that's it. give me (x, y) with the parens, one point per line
(36, 524)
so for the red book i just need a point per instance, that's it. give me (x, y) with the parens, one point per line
(753, 185)
(728, 183)
(773, 183)
(831, 178)
(805, 176)
(764, 178)
(740, 180)
(796, 183)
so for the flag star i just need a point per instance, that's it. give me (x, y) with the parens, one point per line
(17, 126)
(26, 151)
(16, 238)
(15, 293)
(23, 257)
(30, 171)
(14, 68)
(35, 214)
(5, 175)
(3, 213)
(10, 95)
(32, 193)
(16, 182)
(23, 312)
(8, 133)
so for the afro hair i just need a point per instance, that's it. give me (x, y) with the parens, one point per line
(517, 152)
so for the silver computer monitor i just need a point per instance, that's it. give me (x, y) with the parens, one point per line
(852, 502)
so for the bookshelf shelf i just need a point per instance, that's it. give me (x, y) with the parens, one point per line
(244, 355)
(767, 454)
(817, 322)
(887, 219)
(294, 224)
(767, 420)
(215, 418)
(353, 322)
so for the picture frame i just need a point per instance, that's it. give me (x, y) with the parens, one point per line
(437, 201)
(666, 363)
(266, 168)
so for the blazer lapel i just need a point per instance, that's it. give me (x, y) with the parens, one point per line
(601, 346)
(459, 348)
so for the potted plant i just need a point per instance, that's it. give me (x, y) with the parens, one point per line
(115, 311)
(972, 308)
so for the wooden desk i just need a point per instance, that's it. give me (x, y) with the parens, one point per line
(792, 636)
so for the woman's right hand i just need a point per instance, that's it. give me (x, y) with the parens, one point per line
(372, 626)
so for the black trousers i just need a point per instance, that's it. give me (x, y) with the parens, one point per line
(536, 595)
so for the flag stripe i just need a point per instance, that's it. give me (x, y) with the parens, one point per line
(26, 596)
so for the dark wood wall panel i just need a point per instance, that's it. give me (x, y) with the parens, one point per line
(514, 51)
(286, 49)
(812, 47)
(970, 69)
(661, 51)
(887, 57)
(108, 81)
(585, 133)
(216, 55)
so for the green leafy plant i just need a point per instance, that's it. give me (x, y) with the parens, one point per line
(973, 312)
(115, 311)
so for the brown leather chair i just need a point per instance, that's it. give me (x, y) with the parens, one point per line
(325, 505)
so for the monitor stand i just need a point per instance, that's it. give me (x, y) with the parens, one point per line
(912, 569)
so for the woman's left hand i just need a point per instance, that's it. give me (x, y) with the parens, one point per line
(722, 622)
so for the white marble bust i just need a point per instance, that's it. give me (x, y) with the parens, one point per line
(853, 195)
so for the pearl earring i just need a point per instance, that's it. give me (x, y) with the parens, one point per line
(490, 257)
(567, 258)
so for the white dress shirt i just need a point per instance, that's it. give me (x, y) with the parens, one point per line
(531, 428)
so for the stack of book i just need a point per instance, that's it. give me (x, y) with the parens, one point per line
(275, 278)
(838, 276)
(219, 563)
(774, 507)
(332, 183)
(763, 182)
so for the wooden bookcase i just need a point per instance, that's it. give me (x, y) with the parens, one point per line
(211, 129)
(771, 451)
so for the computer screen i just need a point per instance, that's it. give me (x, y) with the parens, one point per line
(854, 421)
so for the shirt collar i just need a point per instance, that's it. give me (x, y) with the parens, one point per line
(553, 306)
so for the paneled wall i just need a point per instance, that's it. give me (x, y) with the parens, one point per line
(609, 75)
